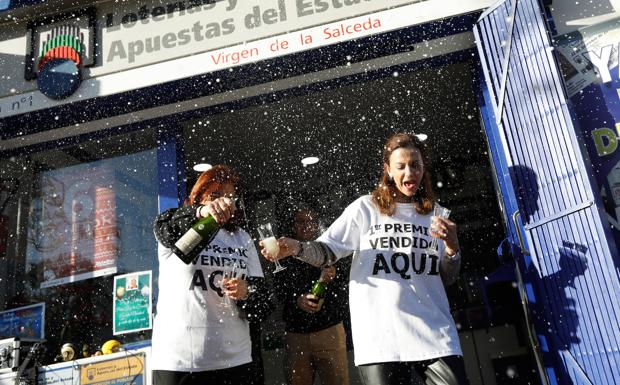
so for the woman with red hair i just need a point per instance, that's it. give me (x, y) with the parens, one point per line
(197, 340)
(403, 332)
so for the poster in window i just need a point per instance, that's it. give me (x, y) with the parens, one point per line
(27, 322)
(72, 232)
(132, 302)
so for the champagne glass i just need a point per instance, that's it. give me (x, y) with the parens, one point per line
(442, 212)
(270, 243)
(228, 274)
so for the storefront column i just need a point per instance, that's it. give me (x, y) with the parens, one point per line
(170, 168)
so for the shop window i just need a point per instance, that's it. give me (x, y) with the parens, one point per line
(73, 218)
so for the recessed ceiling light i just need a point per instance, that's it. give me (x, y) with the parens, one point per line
(422, 137)
(200, 167)
(309, 160)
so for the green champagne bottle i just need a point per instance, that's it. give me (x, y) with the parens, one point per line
(186, 247)
(319, 289)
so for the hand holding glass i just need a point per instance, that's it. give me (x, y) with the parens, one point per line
(228, 274)
(270, 243)
(442, 212)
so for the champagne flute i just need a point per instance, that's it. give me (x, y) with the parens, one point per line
(442, 212)
(270, 243)
(228, 274)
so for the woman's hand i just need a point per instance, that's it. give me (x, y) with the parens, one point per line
(445, 230)
(221, 208)
(286, 248)
(308, 303)
(235, 288)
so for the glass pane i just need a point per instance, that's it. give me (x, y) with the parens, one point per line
(75, 217)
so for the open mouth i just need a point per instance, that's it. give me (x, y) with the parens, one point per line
(409, 185)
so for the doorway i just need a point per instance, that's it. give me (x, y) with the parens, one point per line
(343, 126)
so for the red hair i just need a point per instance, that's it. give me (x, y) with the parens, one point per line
(211, 180)
(384, 195)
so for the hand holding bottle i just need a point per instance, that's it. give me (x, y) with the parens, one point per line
(220, 208)
(312, 302)
(210, 217)
(309, 303)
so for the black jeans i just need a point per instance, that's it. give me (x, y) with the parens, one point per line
(232, 376)
(448, 370)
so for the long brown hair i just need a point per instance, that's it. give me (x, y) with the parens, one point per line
(384, 195)
(211, 180)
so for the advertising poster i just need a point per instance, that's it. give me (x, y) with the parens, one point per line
(589, 63)
(72, 232)
(26, 322)
(127, 370)
(132, 302)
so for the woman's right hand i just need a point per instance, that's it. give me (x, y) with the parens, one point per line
(220, 208)
(286, 248)
(309, 303)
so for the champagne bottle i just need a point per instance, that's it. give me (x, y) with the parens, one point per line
(204, 229)
(319, 289)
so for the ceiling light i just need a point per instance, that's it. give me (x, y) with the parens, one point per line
(200, 167)
(422, 137)
(309, 160)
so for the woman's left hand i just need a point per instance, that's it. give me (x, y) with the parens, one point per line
(236, 288)
(445, 230)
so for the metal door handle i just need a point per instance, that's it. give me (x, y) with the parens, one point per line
(515, 221)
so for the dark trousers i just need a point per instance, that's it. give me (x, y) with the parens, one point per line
(448, 370)
(232, 376)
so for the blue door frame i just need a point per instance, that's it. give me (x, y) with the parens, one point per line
(561, 246)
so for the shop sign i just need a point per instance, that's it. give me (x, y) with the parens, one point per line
(137, 34)
(140, 40)
(126, 370)
(60, 46)
(132, 302)
(589, 63)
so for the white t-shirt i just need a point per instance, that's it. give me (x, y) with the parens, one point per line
(399, 307)
(192, 331)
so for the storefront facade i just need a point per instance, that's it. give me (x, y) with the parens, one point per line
(106, 108)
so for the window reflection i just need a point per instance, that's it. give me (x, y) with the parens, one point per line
(71, 219)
